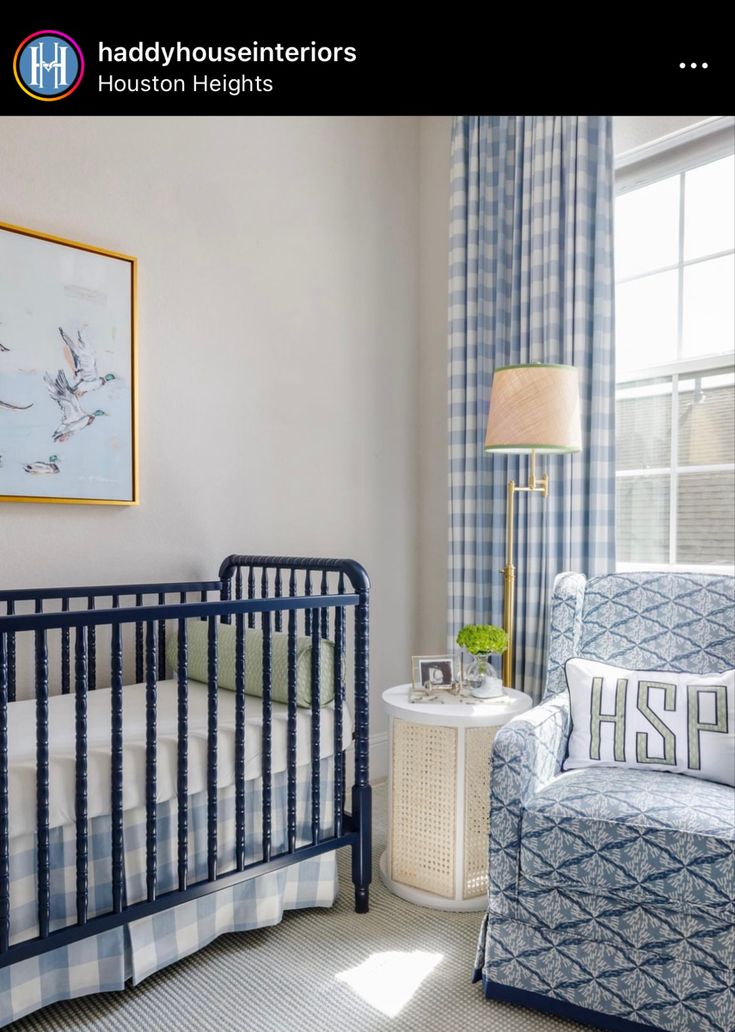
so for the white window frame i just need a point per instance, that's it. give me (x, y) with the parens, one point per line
(699, 146)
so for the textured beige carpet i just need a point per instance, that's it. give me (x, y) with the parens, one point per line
(398, 967)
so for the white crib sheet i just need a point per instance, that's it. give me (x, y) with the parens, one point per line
(22, 748)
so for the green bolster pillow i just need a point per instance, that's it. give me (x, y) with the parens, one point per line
(197, 668)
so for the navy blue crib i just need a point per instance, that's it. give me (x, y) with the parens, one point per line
(75, 640)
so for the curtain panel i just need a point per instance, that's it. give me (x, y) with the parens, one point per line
(530, 280)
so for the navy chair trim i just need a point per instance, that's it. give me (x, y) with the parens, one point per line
(536, 1001)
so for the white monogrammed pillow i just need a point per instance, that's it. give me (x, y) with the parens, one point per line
(652, 719)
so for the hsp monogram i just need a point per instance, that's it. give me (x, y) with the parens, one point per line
(652, 720)
(665, 697)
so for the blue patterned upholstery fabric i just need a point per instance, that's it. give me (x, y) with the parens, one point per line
(642, 621)
(687, 933)
(614, 890)
(662, 838)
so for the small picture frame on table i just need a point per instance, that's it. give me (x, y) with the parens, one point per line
(432, 675)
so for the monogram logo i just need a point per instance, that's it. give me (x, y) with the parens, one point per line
(48, 65)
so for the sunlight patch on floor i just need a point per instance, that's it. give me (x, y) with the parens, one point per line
(387, 981)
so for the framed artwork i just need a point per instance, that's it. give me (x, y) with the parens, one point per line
(68, 371)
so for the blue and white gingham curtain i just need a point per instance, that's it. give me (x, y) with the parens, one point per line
(530, 280)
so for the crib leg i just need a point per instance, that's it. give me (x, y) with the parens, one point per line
(362, 850)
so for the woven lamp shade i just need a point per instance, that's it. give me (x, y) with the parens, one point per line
(534, 408)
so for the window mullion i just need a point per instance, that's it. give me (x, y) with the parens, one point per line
(699, 260)
(674, 482)
(680, 271)
(712, 365)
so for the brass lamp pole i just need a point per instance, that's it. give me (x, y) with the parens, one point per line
(532, 408)
(509, 571)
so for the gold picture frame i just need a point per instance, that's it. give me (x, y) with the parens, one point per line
(87, 303)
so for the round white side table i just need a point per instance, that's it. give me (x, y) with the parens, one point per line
(439, 797)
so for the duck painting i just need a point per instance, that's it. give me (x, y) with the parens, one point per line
(83, 364)
(41, 468)
(6, 404)
(14, 408)
(73, 416)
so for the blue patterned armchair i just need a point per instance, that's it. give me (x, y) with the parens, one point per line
(612, 892)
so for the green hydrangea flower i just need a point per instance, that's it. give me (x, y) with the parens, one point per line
(482, 638)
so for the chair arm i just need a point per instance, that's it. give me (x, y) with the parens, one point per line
(527, 753)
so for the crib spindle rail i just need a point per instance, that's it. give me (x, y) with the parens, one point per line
(291, 732)
(81, 686)
(42, 785)
(4, 814)
(267, 733)
(91, 649)
(339, 699)
(87, 639)
(212, 748)
(182, 755)
(316, 676)
(240, 740)
(117, 766)
(151, 762)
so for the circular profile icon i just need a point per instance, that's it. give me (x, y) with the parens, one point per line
(48, 65)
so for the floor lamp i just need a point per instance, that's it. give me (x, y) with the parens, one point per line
(533, 408)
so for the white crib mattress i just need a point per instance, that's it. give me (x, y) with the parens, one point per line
(22, 748)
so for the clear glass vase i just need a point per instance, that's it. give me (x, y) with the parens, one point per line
(482, 679)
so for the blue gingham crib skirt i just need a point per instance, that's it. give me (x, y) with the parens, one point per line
(107, 961)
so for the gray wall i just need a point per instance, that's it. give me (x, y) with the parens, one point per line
(278, 346)
(432, 417)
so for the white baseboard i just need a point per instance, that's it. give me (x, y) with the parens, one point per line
(378, 759)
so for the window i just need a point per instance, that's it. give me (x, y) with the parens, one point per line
(675, 340)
